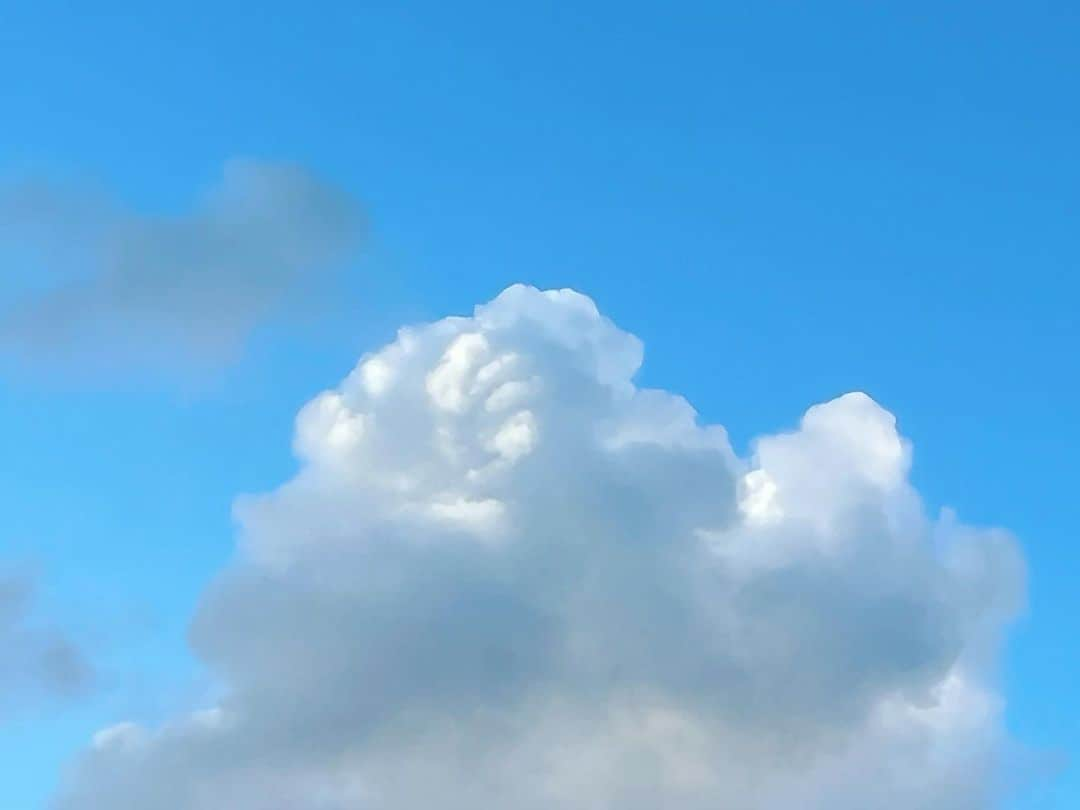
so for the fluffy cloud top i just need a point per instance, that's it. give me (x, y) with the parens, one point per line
(505, 576)
(100, 281)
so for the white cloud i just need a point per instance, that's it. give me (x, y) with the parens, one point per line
(505, 576)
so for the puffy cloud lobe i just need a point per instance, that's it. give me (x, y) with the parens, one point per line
(103, 282)
(506, 576)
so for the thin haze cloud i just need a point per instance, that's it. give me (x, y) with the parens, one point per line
(90, 280)
(35, 659)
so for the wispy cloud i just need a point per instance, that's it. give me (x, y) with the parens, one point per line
(92, 280)
(34, 658)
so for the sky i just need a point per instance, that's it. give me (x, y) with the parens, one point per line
(208, 217)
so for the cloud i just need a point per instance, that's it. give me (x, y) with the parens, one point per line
(506, 576)
(98, 282)
(34, 659)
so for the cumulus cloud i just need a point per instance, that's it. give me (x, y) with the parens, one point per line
(506, 576)
(34, 658)
(95, 280)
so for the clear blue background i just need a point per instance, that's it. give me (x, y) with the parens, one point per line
(784, 200)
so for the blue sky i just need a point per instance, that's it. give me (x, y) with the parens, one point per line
(784, 202)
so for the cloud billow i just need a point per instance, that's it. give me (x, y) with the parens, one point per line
(506, 576)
